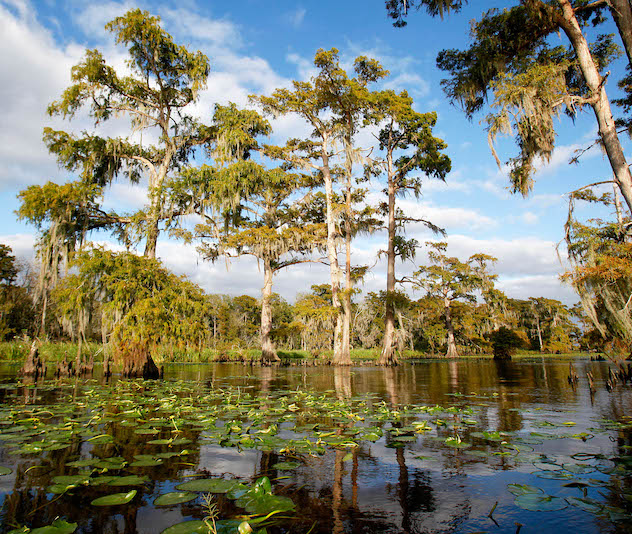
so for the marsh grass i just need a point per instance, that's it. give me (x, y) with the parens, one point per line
(16, 351)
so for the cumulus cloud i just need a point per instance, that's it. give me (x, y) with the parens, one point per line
(22, 245)
(38, 69)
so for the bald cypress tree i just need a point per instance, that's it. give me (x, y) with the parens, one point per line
(334, 105)
(411, 153)
(532, 81)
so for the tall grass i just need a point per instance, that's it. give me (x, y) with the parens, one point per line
(16, 351)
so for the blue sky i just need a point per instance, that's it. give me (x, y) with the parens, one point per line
(255, 46)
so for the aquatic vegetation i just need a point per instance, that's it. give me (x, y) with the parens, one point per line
(137, 443)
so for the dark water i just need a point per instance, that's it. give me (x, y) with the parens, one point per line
(403, 481)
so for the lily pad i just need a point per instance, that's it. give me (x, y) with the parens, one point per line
(588, 505)
(540, 502)
(129, 480)
(114, 499)
(174, 497)
(188, 527)
(208, 485)
(286, 466)
(523, 489)
(59, 526)
(5, 470)
(266, 504)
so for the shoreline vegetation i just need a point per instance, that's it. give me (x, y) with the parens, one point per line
(54, 352)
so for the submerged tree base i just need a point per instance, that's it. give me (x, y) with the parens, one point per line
(137, 362)
(34, 366)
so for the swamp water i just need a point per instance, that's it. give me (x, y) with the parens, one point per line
(464, 447)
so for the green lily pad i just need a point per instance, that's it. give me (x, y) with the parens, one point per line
(540, 502)
(59, 526)
(577, 469)
(286, 466)
(147, 463)
(208, 485)
(188, 527)
(174, 497)
(266, 504)
(74, 480)
(523, 489)
(553, 475)
(114, 499)
(5, 470)
(588, 505)
(129, 480)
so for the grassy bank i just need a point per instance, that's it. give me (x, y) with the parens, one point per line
(16, 351)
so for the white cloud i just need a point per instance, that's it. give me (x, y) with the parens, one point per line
(38, 70)
(413, 83)
(193, 26)
(22, 245)
(548, 286)
(295, 18)
(92, 18)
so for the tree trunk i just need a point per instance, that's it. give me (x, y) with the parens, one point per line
(622, 15)
(451, 352)
(541, 345)
(34, 366)
(332, 254)
(137, 361)
(601, 105)
(389, 354)
(268, 352)
(152, 239)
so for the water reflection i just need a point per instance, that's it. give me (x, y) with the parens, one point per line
(395, 484)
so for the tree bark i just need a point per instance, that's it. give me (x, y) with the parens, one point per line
(389, 354)
(268, 352)
(601, 105)
(622, 15)
(345, 353)
(451, 343)
(332, 254)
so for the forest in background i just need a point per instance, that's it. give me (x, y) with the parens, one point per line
(306, 200)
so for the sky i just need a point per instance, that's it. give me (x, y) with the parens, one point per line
(256, 46)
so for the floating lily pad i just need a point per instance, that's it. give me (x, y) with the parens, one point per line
(5, 470)
(174, 497)
(286, 466)
(71, 479)
(59, 526)
(588, 505)
(523, 489)
(578, 469)
(553, 475)
(188, 527)
(114, 499)
(210, 485)
(130, 480)
(266, 504)
(147, 463)
(540, 502)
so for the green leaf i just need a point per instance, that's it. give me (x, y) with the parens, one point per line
(286, 466)
(188, 527)
(588, 505)
(129, 480)
(175, 497)
(540, 502)
(5, 470)
(59, 526)
(523, 489)
(210, 485)
(114, 499)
